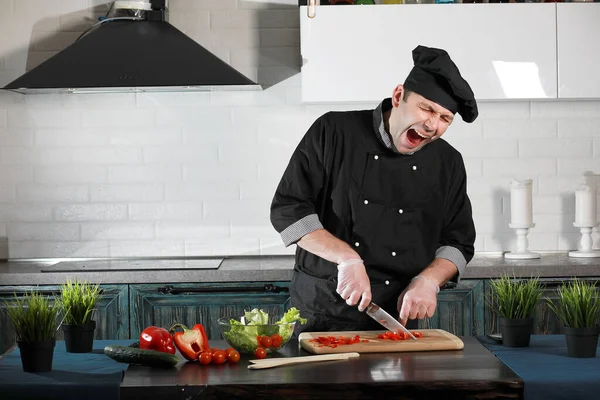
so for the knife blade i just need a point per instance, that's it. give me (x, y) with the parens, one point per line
(386, 320)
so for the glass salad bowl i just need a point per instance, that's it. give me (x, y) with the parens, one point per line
(257, 329)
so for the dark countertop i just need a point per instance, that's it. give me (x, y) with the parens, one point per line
(473, 372)
(256, 268)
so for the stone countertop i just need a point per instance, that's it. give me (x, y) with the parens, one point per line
(257, 269)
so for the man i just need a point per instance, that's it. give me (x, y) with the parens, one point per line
(377, 203)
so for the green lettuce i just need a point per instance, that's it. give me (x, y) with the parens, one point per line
(293, 314)
(256, 317)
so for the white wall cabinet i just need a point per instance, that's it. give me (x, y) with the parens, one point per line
(360, 53)
(578, 26)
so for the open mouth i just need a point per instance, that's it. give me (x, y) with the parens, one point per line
(415, 138)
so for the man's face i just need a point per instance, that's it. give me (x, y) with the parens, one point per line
(416, 121)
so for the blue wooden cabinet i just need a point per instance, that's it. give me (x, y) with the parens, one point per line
(112, 315)
(202, 303)
(125, 310)
(460, 309)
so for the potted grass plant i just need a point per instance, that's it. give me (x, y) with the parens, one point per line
(514, 301)
(34, 318)
(578, 308)
(79, 301)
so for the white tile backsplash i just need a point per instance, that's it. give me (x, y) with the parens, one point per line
(579, 128)
(182, 211)
(193, 173)
(25, 212)
(197, 230)
(145, 173)
(519, 168)
(563, 148)
(42, 231)
(7, 194)
(111, 231)
(16, 174)
(146, 248)
(91, 212)
(39, 193)
(16, 137)
(43, 118)
(61, 174)
(111, 193)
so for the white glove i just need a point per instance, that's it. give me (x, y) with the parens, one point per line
(418, 300)
(353, 283)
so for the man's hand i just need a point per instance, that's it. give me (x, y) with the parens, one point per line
(418, 300)
(353, 283)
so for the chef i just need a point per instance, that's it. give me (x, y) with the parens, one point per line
(377, 203)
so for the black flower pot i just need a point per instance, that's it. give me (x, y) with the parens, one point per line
(79, 338)
(582, 342)
(37, 356)
(516, 332)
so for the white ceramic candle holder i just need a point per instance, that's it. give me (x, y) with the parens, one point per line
(585, 250)
(522, 252)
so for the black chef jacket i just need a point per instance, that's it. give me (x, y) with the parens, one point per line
(397, 211)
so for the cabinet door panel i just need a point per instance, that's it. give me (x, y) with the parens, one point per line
(112, 314)
(189, 304)
(578, 30)
(359, 54)
(459, 310)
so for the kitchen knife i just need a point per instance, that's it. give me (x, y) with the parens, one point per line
(386, 320)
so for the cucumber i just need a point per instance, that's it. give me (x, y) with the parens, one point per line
(135, 344)
(150, 358)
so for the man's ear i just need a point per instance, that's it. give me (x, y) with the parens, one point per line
(397, 95)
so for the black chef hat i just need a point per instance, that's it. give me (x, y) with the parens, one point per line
(437, 78)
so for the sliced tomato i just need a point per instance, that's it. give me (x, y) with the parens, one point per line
(334, 341)
(400, 335)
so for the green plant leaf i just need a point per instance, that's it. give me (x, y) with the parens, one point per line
(514, 298)
(33, 316)
(578, 304)
(79, 301)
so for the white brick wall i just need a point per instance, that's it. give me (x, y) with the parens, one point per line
(161, 174)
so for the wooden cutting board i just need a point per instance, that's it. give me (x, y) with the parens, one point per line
(433, 339)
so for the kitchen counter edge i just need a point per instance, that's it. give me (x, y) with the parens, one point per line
(279, 268)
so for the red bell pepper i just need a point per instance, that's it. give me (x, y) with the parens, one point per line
(190, 342)
(155, 338)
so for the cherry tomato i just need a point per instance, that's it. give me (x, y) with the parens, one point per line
(219, 357)
(265, 342)
(229, 349)
(260, 353)
(205, 357)
(233, 356)
(213, 350)
(276, 340)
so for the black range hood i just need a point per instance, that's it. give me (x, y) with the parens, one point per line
(133, 55)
